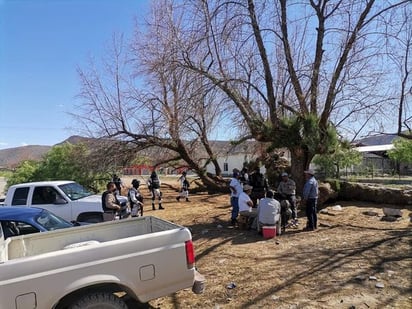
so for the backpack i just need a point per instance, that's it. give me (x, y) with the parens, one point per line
(155, 183)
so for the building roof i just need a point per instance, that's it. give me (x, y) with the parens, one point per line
(374, 148)
(375, 140)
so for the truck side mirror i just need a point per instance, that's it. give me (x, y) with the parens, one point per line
(60, 201)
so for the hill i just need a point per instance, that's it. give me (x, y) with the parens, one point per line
(11, 157)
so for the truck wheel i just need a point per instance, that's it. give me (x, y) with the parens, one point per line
(99, 300)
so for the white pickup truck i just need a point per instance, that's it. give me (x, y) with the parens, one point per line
(65, 198)
(95, 266)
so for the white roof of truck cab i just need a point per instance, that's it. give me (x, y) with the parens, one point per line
(40, 183)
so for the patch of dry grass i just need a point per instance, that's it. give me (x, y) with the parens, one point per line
(329, 268)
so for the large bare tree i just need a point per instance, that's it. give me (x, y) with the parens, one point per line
(297, 72)
(399, 50)
(142, 99)
(291, 73)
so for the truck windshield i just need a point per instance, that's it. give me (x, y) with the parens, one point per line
(51, 222)
(74, 191)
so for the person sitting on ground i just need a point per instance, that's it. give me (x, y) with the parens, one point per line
(184, 187)
(260, 185)
(153, 183)
(135, 199)
(109, 202)
(268, 212)
(287, 191)
(246, 205)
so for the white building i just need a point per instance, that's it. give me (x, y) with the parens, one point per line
(231, 156)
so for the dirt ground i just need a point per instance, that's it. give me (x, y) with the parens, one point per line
(353, 260)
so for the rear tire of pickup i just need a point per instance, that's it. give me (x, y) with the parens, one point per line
(98, 300)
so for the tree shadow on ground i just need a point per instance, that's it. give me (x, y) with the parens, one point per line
(330, 260)
(216, 227)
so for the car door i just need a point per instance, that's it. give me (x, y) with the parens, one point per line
(47, 197)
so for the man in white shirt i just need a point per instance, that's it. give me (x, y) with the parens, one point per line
(246, 204)
(268, 212)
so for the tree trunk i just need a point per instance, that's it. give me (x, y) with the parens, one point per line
(300, 160)
(213, 184)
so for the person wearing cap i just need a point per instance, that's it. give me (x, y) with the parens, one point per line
(260, 185)
(246, 205)
(235, 189)
(135, 199)
(310, 199)
(110, 204)
(184, 187)
(153, 183)
(287, 190)
(118, 183)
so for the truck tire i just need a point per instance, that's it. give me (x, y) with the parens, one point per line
(99, 300)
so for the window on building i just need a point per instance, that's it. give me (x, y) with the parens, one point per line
(225, 167)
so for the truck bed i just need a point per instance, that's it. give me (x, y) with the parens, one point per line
(145, 257)
(89, 235)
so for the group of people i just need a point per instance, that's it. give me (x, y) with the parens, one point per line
(112, 206)
(263, 207)
(250, 197)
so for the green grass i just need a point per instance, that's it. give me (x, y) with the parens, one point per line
(6, 174)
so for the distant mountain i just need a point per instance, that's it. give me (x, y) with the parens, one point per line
(11, 157)
(76, 139)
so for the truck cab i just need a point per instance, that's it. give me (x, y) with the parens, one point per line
(65, 198)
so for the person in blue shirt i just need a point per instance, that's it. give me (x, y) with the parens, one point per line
(310, 199)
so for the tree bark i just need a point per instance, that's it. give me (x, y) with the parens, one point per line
(300, 158)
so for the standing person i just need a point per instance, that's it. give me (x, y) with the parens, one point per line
(268, 212)
(235, 189)
(287, 190)
(109, 202)
(244, 176)
(310, 199)
(153, 184)
(260, 185)
(118, 183)
(184, 187)
(135, 199)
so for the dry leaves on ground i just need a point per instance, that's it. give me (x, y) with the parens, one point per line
(354, 259)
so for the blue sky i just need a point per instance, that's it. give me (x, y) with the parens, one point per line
(42, 42)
